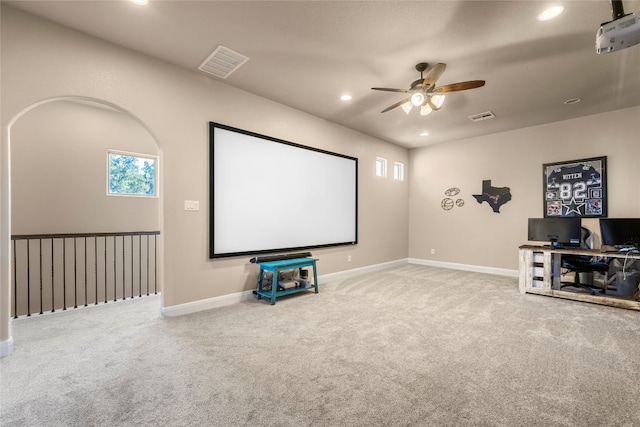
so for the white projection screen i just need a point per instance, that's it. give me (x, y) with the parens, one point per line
(268, 195)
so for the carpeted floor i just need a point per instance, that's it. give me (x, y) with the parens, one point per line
(408, 346)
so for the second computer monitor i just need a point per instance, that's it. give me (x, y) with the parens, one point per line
(620, 232)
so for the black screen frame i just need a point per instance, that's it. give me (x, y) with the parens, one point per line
(213, 253)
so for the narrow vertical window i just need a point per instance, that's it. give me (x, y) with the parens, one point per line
(131, 174)
(381, 166)
(398, 171)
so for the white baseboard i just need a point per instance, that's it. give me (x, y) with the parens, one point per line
(206, 304)
(221, 301)
(466, 267)
(224, 300)
(6, 347)
(361, 270)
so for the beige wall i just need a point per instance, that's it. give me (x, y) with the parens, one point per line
(42, 60)
(474, 234)
(59, 178)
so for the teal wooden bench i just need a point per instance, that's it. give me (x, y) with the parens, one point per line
(276, 267)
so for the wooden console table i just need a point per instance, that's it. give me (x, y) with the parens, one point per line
(276, 267)
(540, 274)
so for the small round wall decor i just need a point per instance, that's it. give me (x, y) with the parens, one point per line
(447, 204)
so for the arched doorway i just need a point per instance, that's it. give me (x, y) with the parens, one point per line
(59, 150)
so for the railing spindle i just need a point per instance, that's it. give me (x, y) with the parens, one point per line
(28, 279)
(86, 293)
(140, 265)
(95, 265)
(40, 274)
(75, 273)
(115, 275)
(64, 274)
(131, 256)
(53, 282)
(155, 265)
(147, 265)
(15, 281)
(105, 269)
(124, 271)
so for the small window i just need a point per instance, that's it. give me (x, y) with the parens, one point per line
(130, 174)
(398, 171)
(381, 167)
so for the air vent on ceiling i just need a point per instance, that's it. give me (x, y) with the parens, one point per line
(222, 62)
(482, 116)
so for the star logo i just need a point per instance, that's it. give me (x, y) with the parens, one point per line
(573, 206)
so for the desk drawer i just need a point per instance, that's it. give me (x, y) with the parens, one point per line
(538, 271)
(537, 283)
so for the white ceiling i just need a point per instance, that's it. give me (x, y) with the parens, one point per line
(305, 54)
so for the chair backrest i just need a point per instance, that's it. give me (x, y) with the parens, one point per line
(586, 238)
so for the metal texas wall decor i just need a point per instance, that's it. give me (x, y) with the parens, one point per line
(576, 188)
(494, 196)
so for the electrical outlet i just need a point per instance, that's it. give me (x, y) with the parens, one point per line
(348, 258)
(191, 205)
(433, 251)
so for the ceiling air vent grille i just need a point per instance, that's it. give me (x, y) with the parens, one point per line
(222, 62)
(482, 116)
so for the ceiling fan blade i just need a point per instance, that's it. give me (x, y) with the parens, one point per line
(434, 74)
(386, 89)
(454, 87)
(397, 104)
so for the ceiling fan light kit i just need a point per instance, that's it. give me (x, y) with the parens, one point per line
(417, 99)
(422, 90)
(406, 107)
(436, 101)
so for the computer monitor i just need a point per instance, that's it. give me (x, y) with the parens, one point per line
(620, 232)
(560, 232)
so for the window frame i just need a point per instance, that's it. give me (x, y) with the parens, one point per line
(381, 167)
(156, 167)
(398, 171)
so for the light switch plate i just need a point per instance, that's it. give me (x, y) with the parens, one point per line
(191, 205)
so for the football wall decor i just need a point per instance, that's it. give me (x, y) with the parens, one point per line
(576, 188)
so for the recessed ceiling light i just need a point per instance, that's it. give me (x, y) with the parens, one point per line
(572, 101)
(346, 97)
(424, 133)
(139, 2)
(550, 13)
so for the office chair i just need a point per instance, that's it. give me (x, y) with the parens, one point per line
(584, 264)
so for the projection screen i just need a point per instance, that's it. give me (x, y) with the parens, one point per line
(269, 195)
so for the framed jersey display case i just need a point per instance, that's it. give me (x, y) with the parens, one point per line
(576, 188)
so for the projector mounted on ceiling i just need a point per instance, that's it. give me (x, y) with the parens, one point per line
(620, 33)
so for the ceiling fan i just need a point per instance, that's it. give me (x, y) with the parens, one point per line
(423, 92)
